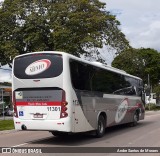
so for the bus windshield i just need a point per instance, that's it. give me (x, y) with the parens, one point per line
(39, 65)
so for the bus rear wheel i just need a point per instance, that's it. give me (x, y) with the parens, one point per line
(135, 119)
(101, 125)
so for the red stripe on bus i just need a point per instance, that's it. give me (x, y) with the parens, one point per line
(50, 103)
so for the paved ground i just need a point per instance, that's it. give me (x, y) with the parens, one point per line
(145, 134)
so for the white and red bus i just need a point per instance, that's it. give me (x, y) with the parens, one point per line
(60, 93)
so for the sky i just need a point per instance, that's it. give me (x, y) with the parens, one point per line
(140, 22)
(5, 75)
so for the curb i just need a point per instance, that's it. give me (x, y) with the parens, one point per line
(150, 112)
(8, 131)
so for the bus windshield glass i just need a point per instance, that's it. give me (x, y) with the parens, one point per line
(39, 65)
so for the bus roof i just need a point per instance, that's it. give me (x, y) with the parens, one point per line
(97, 64)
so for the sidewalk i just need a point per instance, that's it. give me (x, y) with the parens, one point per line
(6, 117)
(8, 131)
(152, 112)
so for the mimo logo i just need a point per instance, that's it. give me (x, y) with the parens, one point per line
(38, 67)
(121, 111)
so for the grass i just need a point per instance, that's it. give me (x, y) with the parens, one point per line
(152, 107)
(6, 125)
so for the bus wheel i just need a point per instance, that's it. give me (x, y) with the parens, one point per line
(135, 119)
(101, 125)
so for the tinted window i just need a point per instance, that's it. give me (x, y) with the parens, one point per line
(21, 64)
(87, 77)
(105, 81)
(81, 75)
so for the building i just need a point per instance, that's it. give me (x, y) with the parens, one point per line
(5, 97)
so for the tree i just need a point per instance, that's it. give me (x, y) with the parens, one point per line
(140, 62)
(74, 26)
(5, 84)
(157, 91)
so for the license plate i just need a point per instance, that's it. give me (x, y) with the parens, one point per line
(38, 116)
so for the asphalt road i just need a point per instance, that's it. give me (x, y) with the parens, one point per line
(145, 134)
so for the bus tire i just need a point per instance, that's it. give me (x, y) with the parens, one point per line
(101, 125)
(135, 119)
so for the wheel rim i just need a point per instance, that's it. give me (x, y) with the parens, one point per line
(135, 118)
(101, 127)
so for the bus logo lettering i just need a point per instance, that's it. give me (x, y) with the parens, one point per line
(121, 111)
(38, 67)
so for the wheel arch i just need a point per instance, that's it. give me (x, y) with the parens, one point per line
(138, 111)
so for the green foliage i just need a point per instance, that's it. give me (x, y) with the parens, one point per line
(6, 125)
(73, 26)
(152, 106)
(5, 84)
(140, 62)
(157, 89)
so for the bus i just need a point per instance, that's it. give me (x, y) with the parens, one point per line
(60, 93)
